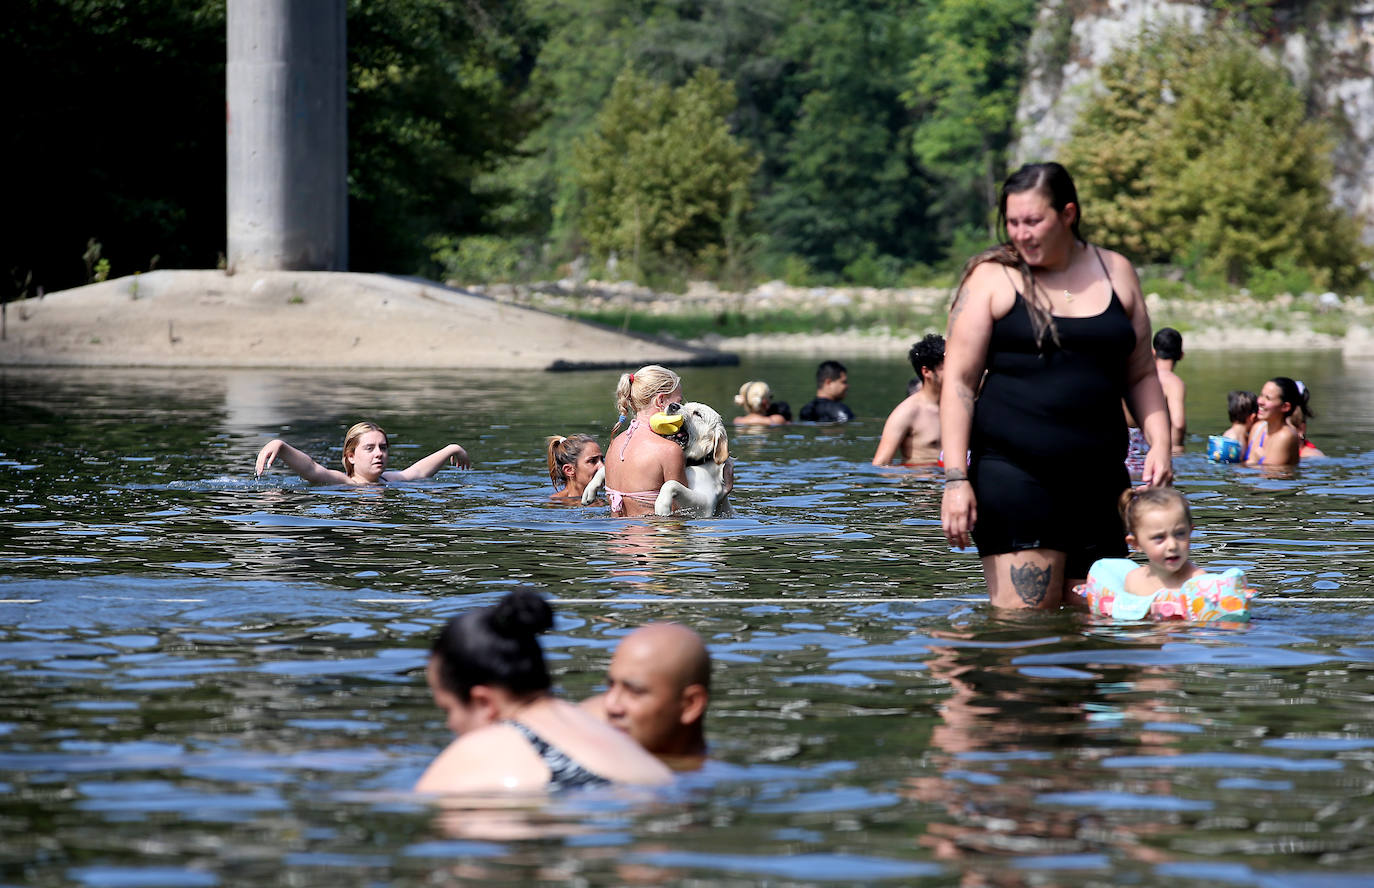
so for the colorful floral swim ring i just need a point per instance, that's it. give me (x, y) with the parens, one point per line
(1205, 597)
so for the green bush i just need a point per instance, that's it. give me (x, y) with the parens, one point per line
(662, 175)
(1198, 150)
(1284, 276)
(869, 269)
(481, 259)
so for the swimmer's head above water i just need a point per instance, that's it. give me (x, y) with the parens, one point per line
(366, 450)
(572, 460)
(650, 388)
(755, 396)
(489, 647)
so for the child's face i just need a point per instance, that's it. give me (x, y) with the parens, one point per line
(1162, 533)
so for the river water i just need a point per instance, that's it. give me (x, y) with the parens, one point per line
(214, 680)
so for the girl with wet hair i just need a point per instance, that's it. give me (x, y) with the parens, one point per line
(573, 462)
(637, 460)
(366, 451)
(487, 674)
(1273, 442)
(757, 399)
(1169, 586)
(1047, 334)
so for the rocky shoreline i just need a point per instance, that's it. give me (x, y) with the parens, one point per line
(1238, 322)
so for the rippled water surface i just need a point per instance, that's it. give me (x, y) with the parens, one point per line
(215, 680)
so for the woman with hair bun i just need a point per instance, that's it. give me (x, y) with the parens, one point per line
(573, 462)
(639, 461)
(487, 673)
(757, 399)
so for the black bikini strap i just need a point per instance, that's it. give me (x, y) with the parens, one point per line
(1103, 262)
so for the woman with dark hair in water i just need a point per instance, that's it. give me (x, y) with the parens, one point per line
(487, 673)
(1274, 443)
(1059, 326)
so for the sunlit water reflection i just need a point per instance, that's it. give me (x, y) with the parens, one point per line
(215, 680)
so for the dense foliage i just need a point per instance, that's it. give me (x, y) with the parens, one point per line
(814, 140)
(661, 174)
(1198, 152)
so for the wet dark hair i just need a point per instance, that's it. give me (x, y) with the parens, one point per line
(1168, 344)
(496, 646)
(1133, 500)
(929, 352)
(1294, 395)
(829, 370)
(1057, 185)
(1240, 405)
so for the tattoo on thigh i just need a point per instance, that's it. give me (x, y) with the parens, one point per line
(1031, 582)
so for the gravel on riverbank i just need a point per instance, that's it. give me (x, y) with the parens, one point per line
(1237, 322)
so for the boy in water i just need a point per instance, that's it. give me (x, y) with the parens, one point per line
(1168, 346)
(1240, 407)
(912, 430)
(832, 384)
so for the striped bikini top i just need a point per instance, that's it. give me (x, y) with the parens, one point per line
(564, 773)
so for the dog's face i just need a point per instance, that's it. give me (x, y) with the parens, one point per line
(703, 433)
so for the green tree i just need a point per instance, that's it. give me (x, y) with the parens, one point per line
(662, 175)
(841, 186)
(1199, 150)
(964, 86)
(436, 98)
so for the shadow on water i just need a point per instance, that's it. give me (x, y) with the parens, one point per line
(213, 679)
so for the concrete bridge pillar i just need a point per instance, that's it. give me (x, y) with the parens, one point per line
(286, 135)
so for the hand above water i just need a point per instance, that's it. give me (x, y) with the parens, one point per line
(958, 512)
(1159, 468)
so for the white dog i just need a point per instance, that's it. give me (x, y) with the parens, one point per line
(707, 452)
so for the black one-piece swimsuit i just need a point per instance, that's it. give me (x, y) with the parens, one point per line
(1049, 438)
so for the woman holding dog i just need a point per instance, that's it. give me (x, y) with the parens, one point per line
(1060, 328)
(638, 461)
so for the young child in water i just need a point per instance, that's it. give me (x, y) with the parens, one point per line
(1169, 586)
(1229, 446)
(365, 453)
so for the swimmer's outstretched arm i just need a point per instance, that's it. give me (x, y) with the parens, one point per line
(430, 465)
(297, 462)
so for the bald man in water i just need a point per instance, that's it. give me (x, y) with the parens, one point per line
(658, 687)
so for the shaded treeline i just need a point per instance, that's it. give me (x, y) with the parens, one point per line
(815, 140)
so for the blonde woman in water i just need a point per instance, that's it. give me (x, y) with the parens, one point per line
(365, 453)
(638, 461)
(756, 397)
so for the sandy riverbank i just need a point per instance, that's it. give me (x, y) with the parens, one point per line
(310, 320)
(339, 319)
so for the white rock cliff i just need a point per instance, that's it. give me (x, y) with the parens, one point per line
(1331, 61)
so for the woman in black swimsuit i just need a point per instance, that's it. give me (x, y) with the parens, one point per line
(1060, 328)
(487, 674)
